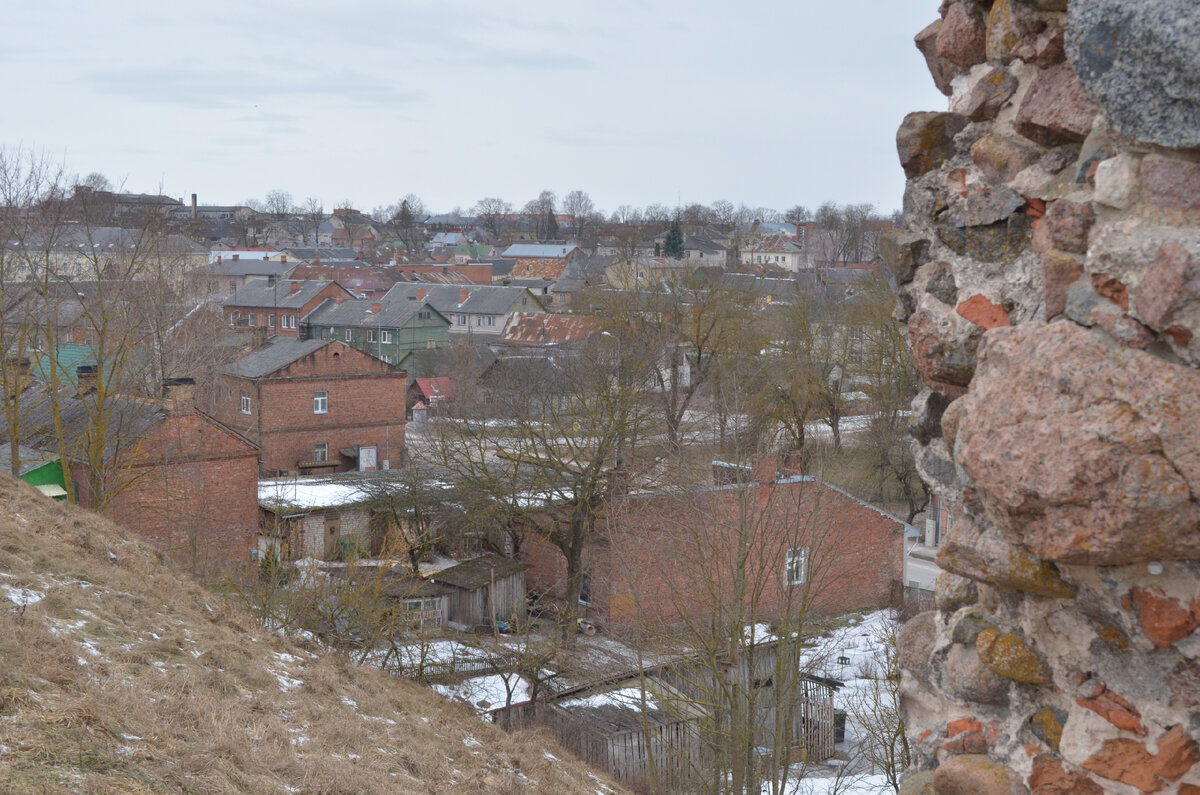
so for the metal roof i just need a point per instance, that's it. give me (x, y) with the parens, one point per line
(278, 352)
(357, 313)
(261, 293)
(476, 299)
(553, 251)
(525, 328)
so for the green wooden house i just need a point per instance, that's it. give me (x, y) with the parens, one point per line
(388, 330)
(41, 469)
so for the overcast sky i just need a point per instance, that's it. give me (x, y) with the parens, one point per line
(769, 103)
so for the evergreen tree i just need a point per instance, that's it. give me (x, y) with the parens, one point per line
(673, 247)
(551, 225)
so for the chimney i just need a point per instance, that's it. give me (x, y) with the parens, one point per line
(765, 470)
(179, 395)
(283, 257)
(421, 294)
(193, 206)
(218, 259)
(463, 294)
(376, 308)
(266, 257)
(296, 287)
(87, 379)
(237, 256)
(338, 300)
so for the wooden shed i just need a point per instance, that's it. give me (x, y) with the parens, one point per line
(482, 589)
(660, 729)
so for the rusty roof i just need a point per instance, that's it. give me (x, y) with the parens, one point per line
(527, 328)
(534, 268)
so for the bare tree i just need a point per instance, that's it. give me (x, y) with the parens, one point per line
(551, 454)
(584, 219)
(680, 329)
(313, 213)
(875, 708)
(493, 212)
(540, 213)
(846, 233)
(407, 221)
(32, 222)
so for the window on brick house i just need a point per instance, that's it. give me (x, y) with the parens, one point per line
(270, 321)
(795, 571)
(321, 451)
(250, 318)
(320, 402)
(245, 403)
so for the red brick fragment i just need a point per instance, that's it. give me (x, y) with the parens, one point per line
(1164, 619)
(983, 312)
(1114, 709)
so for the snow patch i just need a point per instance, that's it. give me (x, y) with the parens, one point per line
(624, 698)
(22, 596)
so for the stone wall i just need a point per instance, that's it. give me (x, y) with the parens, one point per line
(1050, 280)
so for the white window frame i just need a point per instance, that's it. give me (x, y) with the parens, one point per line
(250, 319)
(246, 404)
(321, 402)
(795, 568)
(321, 451)
(348, 334)
(370, 335)
(270, 321)
(385, 336)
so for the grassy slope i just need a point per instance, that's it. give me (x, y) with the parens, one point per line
(131, 677)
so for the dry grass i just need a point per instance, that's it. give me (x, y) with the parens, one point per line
(131, 677)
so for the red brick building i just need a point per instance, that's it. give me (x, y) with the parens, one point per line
(314, 406)
(780, 547)
(280, 305)
(173, 474)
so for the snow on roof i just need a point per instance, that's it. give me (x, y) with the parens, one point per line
(306, 494)
(622, 698)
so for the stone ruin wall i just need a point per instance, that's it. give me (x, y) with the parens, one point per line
(1050, 282)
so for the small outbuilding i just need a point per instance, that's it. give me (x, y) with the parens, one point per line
(484, 589)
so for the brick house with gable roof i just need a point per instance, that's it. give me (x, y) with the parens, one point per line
(669, 557)
(314, 406)
(280, 305)
(173, 474)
